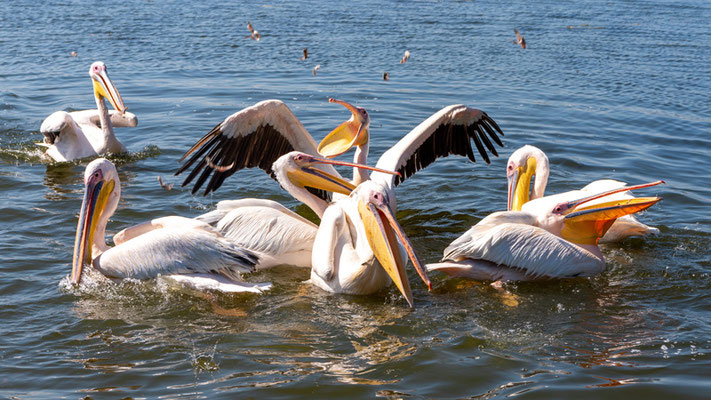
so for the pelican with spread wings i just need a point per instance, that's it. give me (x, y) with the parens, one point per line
(359, 247)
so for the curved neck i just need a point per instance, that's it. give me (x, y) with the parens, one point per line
(98, 245)
(541, 180)
(317, 204)
(360, 157)
(106, 129)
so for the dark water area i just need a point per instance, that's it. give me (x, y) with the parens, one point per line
(607, 89)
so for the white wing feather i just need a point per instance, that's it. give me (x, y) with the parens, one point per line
(406, 151)
(527, 248)
(279, 236)
(175, 251)
(253, 137)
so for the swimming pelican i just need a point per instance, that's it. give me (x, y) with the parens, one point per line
(277, 234)
(256, 135)
(188, 250)
(528, 161)
(88, 133)
(558, 242)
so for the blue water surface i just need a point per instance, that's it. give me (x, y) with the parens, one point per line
(607, 89)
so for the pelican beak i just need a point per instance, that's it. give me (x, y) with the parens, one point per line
(520, 185)
(103, 86)
(307, 175)
(96, 194)
(353, 132)
(587, 224)
(383, 233)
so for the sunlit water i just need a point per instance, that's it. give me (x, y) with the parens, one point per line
(607, 89)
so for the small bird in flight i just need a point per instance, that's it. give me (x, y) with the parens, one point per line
(519, 39)
(405, 57)
(164, 185)
(254, 33)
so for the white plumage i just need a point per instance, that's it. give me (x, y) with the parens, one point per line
(89, 133)
(343, 259)
(529, 161)
(344, 255)
(168, 251)
(513, 240)
(163, 246)
(555, 239)
(277, 234)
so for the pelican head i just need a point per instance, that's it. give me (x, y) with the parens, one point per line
(586, 224)
(101, 195)
(300, 169)
(383, 233)
(104, 88)
(353, 132)
(522, 165)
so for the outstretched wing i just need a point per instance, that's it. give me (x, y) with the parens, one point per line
(451, 130)
(253, 137)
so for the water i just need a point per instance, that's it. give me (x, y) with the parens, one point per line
(607, 89)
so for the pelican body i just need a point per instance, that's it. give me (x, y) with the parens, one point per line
(172, 246)
(560, 242)
(528, 161)
(80, 134)
(277, 234)
(359, 248)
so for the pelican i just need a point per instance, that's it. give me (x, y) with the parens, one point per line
(528, 161)
(89, 133)
(188, 250)
(277, 234)
(267, 136)
(559, 242)
(359, 248)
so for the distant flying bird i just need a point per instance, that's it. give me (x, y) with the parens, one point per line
(405, 57)
(316, 69)
(386, 76)
(165, 186)
(306, 54)
(520, 40)
(254, 33)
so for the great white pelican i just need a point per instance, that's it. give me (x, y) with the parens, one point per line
(557, 242)
(79, 134)
(171, 245)
(359, 247)
(529, 161)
